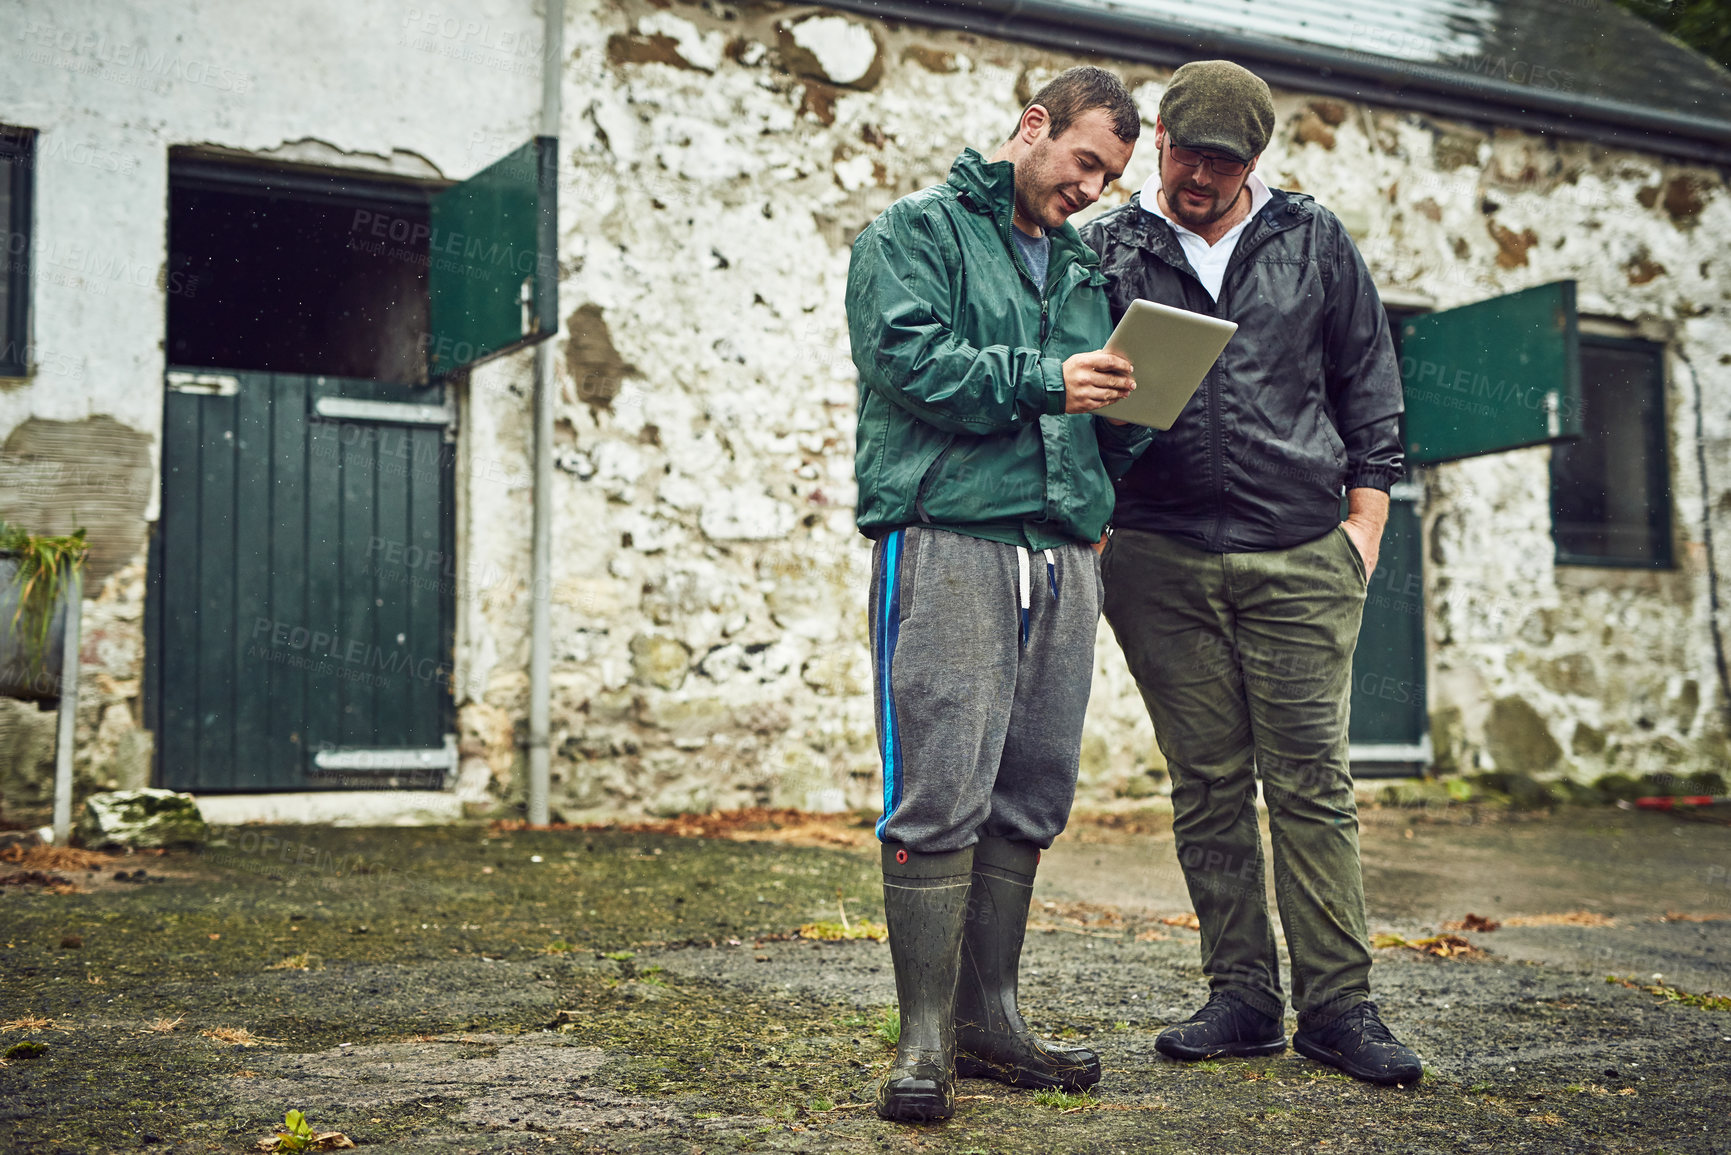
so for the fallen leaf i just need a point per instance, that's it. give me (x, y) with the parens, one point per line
(1440, 945)
(238, 1036)
(1474, 922)
(42, 857)
(753, 824)
(1188, 920)
(323, 1141)
(1566, 918)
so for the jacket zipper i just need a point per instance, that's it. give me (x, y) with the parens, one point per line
(1217, 446)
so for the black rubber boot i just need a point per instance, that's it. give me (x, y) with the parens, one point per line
(992, 1041)
(925, 900)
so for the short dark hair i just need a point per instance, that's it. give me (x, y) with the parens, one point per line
(1077, 90)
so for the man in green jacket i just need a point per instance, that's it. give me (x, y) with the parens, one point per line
(976, 316)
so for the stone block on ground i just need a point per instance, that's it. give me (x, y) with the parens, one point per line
(142, 819)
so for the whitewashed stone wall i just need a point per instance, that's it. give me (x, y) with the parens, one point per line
(708, 589)
(111, 86)
(710, 595)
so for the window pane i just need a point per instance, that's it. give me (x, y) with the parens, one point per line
(1610, 496)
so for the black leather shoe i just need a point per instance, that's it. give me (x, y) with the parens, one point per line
(1224, 1026)
(1357, 1042)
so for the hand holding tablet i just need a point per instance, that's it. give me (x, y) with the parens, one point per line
(1172, 350)
(1094, 380)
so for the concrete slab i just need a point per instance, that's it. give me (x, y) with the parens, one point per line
(334, 808)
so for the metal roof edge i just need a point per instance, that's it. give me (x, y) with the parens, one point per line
(1334, 72)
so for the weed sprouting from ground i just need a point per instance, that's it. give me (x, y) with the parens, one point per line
(889, 1026)
(299, 1135)
(1064, 1100)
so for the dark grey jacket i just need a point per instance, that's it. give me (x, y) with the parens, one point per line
(1304, 401)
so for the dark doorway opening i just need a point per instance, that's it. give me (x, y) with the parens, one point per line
(297, 271)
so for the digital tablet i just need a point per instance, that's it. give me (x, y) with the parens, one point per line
(1172, 349)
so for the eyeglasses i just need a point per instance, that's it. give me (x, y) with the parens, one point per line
(1218, 165)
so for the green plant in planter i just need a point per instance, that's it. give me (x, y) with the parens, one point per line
(45, 566)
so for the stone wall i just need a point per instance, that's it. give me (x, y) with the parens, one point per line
(708, 588)
(111, 87)
(710, 636)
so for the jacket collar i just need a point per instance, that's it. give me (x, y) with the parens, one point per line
(1136, 226)
(989, 189)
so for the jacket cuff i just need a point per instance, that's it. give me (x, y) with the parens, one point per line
(1372, 477)
(1052, 371)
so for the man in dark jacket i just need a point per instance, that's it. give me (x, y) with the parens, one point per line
(1234, 588)
(976, 317)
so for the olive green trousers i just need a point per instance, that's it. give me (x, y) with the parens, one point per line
(1245, 663)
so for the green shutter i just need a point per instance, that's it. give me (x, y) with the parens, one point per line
(492, 273)
(1493, 375)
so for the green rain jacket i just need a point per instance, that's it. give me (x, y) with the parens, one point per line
(961, 381)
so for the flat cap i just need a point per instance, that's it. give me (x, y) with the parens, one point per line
(1219, 106)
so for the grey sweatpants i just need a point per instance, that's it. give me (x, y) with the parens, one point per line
(979, 701)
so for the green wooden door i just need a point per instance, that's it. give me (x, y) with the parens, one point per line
(1486, 377)
(303, 583)
(1389, 714)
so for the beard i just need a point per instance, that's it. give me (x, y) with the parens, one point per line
(1037, 193)
(1195, 215)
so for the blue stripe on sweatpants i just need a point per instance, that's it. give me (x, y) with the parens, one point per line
(889, 626)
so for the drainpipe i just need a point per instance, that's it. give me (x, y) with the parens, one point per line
(540, 642)
(1714, 609)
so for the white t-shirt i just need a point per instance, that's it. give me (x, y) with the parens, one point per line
(1208, 260)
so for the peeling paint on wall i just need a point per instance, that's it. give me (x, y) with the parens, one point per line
(708, 586)
(58, 476)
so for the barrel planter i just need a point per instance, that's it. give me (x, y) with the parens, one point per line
(26, 672)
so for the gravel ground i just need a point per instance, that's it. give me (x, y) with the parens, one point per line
(440, 990)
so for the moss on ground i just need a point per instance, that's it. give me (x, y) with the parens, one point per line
(459, 943)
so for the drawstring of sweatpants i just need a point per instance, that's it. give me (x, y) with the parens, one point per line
(1022, 574)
